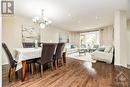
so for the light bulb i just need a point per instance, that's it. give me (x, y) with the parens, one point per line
(45, 18)
(49, 22)
(42, 25)
(34, 20)
(37, 18)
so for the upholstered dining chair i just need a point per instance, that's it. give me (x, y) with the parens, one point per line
(12, 62)
(58, 54)
(47, 55)
(31, 45)
(28, 44)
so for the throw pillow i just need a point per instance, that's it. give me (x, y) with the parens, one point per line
(108, 49)
(101, 49)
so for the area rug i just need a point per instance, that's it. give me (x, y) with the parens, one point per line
(83, 57)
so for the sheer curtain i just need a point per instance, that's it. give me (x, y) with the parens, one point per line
(106, 35)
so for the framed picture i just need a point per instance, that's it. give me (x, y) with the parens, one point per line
(30, 34)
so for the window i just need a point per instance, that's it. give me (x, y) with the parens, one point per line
(89, 38)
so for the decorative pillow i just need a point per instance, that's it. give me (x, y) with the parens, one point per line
(101, 49)
(73, 46)
(67, 45)
(95, 46)
(108, 49)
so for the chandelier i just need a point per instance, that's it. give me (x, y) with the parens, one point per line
(42, 20)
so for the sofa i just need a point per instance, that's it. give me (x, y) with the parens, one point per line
(103, 53)
(71, 48)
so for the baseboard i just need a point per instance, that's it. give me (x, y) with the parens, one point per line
(5, 63)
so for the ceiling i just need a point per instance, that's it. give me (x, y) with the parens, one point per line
(73, 15)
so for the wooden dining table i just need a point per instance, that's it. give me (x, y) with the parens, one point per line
(24, 54)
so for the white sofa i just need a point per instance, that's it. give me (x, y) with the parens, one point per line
(105, 56)
(71, 48)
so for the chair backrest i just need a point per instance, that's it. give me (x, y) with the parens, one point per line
(40, 44)
(31, 44)
(28, 44)
(9, 55)
(59, 50)
(47, 52)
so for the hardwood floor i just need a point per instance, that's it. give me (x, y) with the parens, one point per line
(75, 74)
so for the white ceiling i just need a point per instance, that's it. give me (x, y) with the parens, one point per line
(73, 15)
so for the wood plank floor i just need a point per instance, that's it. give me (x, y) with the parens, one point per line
(75, 74)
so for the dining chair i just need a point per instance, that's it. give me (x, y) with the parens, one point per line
(47, 55)
(12, 63)
(28, 44)
(59, 54)
(31, 66)
(31, 44)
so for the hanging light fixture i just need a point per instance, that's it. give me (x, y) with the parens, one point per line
(42, 20)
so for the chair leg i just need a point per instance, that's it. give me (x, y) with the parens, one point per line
(58, 61)
(32, 68)
(62, 61)
(11, 74)
(55, 64)
(29, 68)
(39, 66)
(52, 65)
(16, 74)
(64, 58)
(41, 70)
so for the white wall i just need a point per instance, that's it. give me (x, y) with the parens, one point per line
(51, 34)
(0, 52)
(12, 34)
(106, 35)
(128, 27)
(120, 38)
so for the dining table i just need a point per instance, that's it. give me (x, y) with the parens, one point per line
(24, 54)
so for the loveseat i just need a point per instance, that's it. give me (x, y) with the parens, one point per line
(104, 53)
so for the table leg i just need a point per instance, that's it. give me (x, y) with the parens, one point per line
(23, 70)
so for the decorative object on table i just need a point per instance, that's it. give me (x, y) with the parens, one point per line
(30, 34)
(41, 44)
(63, 37)
(42, 20)
(36, 43)
(89, 46)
